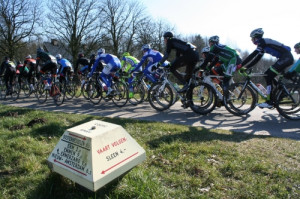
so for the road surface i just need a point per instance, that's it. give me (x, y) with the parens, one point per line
(258, 122)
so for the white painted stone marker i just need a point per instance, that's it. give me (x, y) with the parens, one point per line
(95, 153)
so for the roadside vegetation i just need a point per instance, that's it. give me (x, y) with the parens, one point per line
(182, 161)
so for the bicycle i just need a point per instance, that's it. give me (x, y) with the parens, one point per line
(55, 90)
(200, 96)
(97, 90)
(80, 90)
(69, 86)
(286, 97)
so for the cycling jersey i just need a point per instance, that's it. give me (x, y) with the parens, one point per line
(64, 63)
(269, 46)
(152, 56)
(113, 64)
(129, 62)
(295, 67)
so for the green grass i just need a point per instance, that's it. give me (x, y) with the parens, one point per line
(182, 161)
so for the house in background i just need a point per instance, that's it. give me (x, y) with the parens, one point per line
(55, 48)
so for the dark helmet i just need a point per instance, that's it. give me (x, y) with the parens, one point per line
(40, 49)
(214, 39)
(297, 45)
(257, 33)
(80, 55)
(168, 34)
(92, 56)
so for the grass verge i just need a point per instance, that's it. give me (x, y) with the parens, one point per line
(182, 161)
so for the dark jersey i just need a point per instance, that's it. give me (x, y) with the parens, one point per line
(180, 46)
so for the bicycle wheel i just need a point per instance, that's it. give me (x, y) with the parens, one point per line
(41, 93)
(160, 96)
(94, 92)
(2, 90)
(138, 93)
(15, 91)
(120, 94)
(26, 88)
(287, 102)
(202, 98)
(70, 88)
(78, 91)
(58, 93)
(238, 101)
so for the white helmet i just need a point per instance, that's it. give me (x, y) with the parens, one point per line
(101, 50)
(28, 57)
(58, 56)
(205, 49)
(146, 47)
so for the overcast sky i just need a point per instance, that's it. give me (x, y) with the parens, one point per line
(232, 20)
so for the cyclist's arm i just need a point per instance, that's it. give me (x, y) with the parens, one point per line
(253, 58)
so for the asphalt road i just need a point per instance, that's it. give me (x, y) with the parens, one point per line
(258, 122)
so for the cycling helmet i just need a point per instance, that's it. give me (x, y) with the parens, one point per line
(126, 54)
(58, 56)
(101, 50)
(40, 49)
(297, 45)
(146, 47)
(92, 56)
(205, 49)
(168, 34)
(80, 55)
(214, 39)
(28, 57)
(257, 33)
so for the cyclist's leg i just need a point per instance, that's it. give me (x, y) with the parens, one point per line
(177, 63)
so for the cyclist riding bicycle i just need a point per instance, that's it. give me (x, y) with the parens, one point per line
(9, 69)
(274, 48)
(211, 63)
(186, 55)
(228, 57)
(296, 66)
(152, 57)
(30, 64)
(113, 64)
(128, 63)
(65, 67)
(84, 63)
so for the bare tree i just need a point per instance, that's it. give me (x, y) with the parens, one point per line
(121, 19)
(18, 20)
(75, 24)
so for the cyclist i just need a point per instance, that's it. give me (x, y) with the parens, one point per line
(113, 64)
(92, 61)
(30, 64)
(152, 57)
(84, 62)
(9, 69)
(65, 67)
(186, 55)
(47, 61)
(274, 48)
(296, 66)
(228, 57)
(127, 63)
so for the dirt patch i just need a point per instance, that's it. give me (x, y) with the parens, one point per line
(36, 121)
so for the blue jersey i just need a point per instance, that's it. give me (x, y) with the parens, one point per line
(152, 56)
(63, 64)
(107, 59)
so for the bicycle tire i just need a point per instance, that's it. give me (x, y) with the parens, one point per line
(160, 98)
(243, 105)
(26, 88)
(288, 103)
(15, 93)
(94, 92)
(70, 88)
(59, 97)
(202, 98)
(41, 93)
(139, 93)
(120, 94)
(2, 90)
